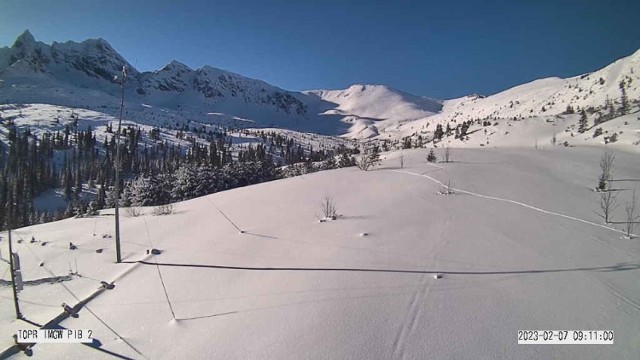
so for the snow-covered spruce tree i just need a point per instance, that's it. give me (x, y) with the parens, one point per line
(138, 192)
(150, 190)
(438, 133)
(431, 156)
(582, 123)
(346, 160)
(606, 168)
(624, 100)
(185, 183)
(206, 181)
(330, 163)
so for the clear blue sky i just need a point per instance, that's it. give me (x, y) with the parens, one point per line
(439, 48)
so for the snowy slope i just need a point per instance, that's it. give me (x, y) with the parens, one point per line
(81, 75)
(539, 101)
(378, 102)
(533, 255)
(551, 96)
(367, 107)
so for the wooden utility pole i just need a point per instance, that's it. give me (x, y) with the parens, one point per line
(117, 188)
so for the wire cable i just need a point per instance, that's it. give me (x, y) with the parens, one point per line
(164, 288)
(223, 214)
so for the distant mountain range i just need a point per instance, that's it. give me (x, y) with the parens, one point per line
(85, 75)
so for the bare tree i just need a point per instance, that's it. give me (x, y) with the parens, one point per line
(606, 167)
(401, 161)
(607, 204)
(447, 153)
(329, 209)
(133, 211)
(632, 216)
(369, 157)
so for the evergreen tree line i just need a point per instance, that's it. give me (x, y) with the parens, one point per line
(194, 180)
(72, 159)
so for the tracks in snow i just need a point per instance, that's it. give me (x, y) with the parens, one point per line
(415, 309)
(615, 291)
(512, 202)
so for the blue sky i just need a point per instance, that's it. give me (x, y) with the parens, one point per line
(441, 49)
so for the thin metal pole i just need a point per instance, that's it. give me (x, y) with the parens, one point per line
(13, 275)
(117, 200)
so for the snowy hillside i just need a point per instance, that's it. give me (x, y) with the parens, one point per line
(367, 107)
(81, 75)
(402, 273)
(540, 104)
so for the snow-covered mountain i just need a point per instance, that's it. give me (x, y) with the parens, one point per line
(538, 108)
(85, 75)
(82, 75)
(366, 107)
(372, 101)
(551, 96)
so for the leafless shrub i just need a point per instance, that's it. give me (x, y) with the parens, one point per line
(401, 161)
(607, 204)
(163, 210)
(447, 153)
(133, 211)
(632, 216)
(329, 209)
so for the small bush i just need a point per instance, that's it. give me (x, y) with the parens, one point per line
(133, 211)
(446, 189)
(431, 157)
(163, 210)
(329, 209)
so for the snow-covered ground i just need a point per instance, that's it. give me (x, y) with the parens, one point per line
(519, 246)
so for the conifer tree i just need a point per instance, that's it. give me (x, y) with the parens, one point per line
(431, 157)
(582, 123)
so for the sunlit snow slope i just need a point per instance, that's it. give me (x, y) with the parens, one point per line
(518, 245)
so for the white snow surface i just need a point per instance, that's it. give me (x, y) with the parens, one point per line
(518, 246)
